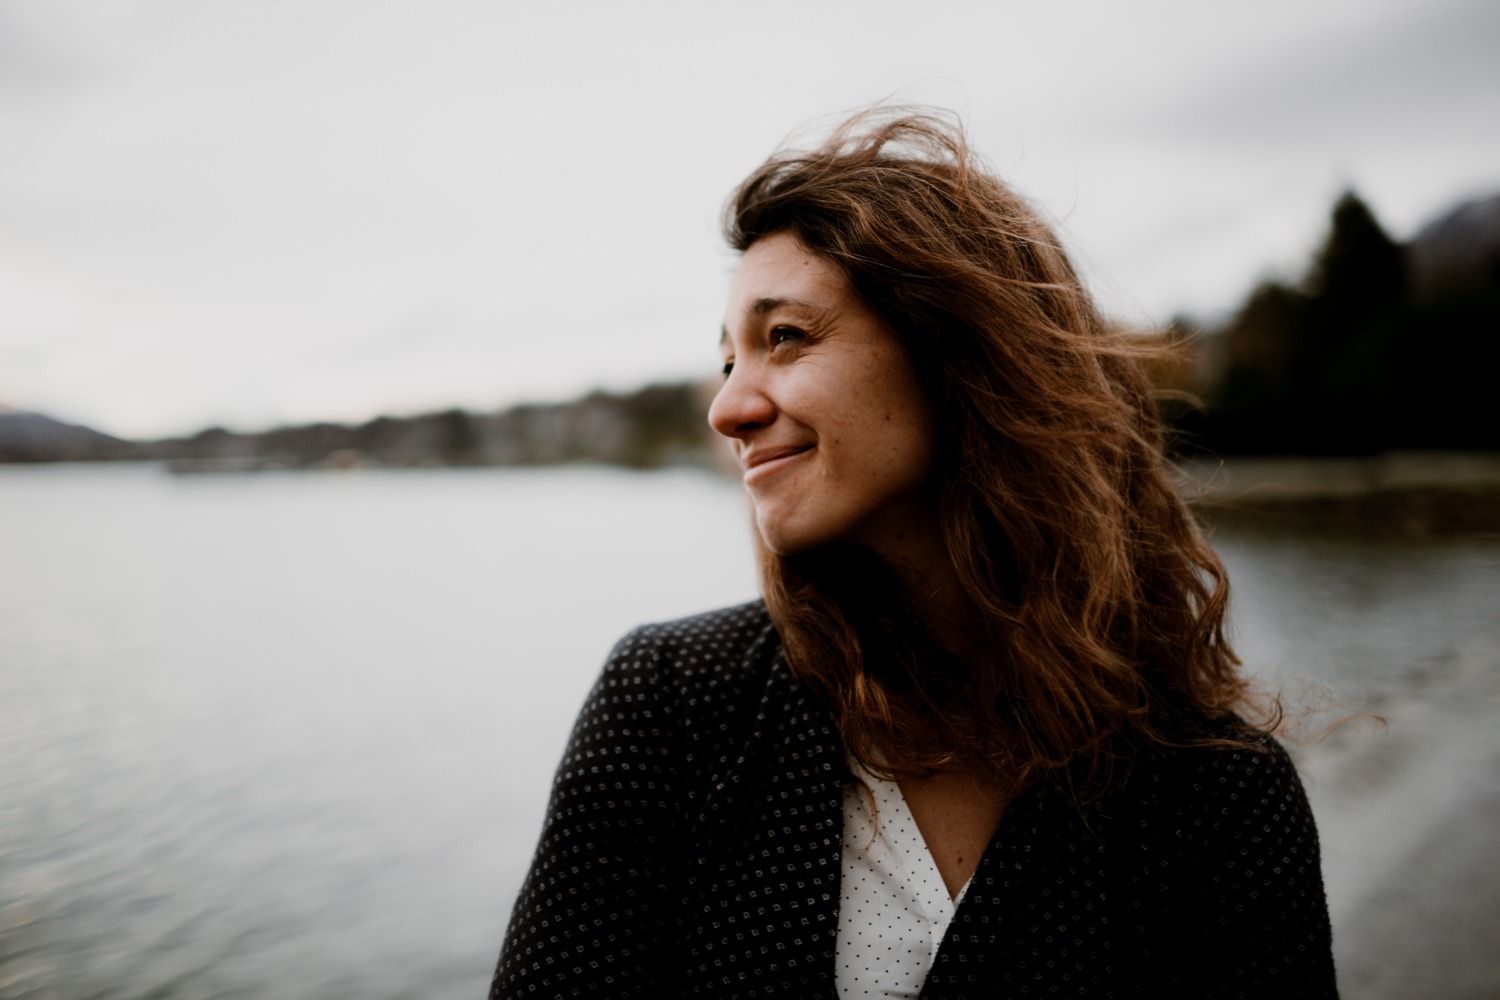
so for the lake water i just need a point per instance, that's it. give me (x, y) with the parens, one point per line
(291, 734)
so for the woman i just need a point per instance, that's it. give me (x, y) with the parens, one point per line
(984, 735)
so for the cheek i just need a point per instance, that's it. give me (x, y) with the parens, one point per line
(913, 458)
(906, 424)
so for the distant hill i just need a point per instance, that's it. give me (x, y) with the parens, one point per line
(658, 425)
(35, 437)
(1459, 249)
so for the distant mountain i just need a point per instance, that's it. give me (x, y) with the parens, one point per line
(1459, 250)
(34, 437)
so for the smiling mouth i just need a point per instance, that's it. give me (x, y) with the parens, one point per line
(762, 464)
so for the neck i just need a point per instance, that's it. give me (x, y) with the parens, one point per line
(938, 596)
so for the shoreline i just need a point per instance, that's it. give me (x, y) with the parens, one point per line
(1411, 493)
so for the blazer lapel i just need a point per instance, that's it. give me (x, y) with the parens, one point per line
(1037, 905)
(769, 838)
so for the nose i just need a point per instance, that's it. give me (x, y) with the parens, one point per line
(741, 406)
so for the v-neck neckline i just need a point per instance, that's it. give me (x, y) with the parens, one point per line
(919, 868)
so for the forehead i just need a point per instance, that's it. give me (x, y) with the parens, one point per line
(780, 267)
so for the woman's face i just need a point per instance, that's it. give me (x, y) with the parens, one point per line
(822, 407)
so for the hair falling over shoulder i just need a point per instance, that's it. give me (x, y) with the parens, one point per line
(1102, 606)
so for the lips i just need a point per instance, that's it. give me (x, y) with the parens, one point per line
(759, 462)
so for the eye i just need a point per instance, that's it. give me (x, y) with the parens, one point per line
(782, 334)
(728, 367)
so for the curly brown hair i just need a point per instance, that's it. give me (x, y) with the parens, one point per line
(1102, 605)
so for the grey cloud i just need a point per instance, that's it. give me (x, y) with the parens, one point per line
(1431, 73)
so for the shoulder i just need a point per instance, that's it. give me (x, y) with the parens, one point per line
(1221, 764)
(708, 705)
(1224, 868)
(676, 672)
(704, 650)
(1211, 800)
(661, 684)
(713, 635)
(1220, 768)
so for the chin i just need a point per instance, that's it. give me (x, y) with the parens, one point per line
(788, 539)
(783, 546)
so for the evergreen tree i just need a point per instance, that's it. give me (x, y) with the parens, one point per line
(1314, 371)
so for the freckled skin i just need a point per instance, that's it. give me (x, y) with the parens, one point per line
(816, 371)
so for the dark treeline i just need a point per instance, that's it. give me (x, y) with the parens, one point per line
(1381, 346)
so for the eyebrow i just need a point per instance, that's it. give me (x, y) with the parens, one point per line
(762, 306)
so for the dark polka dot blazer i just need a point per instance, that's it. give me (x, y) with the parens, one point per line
(692, 848)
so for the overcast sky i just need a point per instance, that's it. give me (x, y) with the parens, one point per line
(247, 212)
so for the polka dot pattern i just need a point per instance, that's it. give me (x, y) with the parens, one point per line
(894, 908)
(692, 847)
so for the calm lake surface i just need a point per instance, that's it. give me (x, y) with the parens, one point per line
(290, 734)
